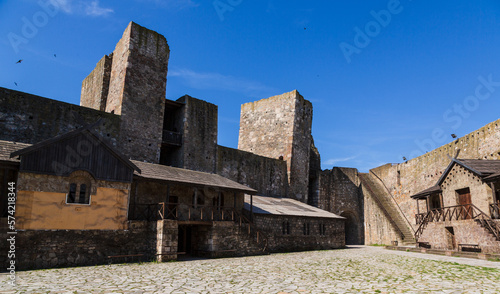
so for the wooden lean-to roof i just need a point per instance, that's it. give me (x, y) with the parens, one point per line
(150, 171)
(285, 207)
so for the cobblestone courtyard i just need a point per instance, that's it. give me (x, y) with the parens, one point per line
(361, 269)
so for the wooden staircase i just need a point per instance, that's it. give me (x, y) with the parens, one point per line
(390, 209)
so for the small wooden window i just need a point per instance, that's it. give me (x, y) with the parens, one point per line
(286, 228)
(72, 193)
(78, 194)
(322, 229)
(307, 230)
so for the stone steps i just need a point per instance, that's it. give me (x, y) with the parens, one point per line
(380, 193)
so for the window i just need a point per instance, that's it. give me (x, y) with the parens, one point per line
(79, 193)
(198, 198)
(306, 229)
(286, 228)
(215, 200)
(322, 229)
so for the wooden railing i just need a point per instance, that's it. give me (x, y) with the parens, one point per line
(458, 212)
(172, 138)
(184, 212)
(495, 211)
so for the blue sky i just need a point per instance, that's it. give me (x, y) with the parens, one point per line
(387, 79)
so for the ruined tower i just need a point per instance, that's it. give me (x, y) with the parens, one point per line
(131, 82)
(280, 127)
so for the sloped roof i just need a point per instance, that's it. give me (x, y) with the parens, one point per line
(185, 176)
(8, 147)
(427, 192)
(285, 206)
(485, 169)
(480, 167)
(88, 130)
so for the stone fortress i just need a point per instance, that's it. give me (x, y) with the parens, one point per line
(278, 165)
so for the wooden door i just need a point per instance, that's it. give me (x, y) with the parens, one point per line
(464, 200)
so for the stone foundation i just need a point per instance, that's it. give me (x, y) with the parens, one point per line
(67, 248)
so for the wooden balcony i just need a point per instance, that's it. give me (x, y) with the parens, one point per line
(172, 138)
(184, 213)
(458, 212)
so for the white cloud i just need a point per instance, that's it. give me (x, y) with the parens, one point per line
(89, 8)
(95, 10)
(179, 4)
(216, 81)
(333, 161)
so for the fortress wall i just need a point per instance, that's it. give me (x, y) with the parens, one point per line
(423, 172)
(199, 135)
(137, 91)
(339, 193)
(30, 119)
(95, 86)
(280, 126)
(266, 175)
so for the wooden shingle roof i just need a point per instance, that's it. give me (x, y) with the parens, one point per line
(187, 177)
(8, 147)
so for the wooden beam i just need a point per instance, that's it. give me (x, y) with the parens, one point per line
(418, 207)
(493, 192)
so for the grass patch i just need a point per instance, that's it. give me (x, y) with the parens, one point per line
(378, 245)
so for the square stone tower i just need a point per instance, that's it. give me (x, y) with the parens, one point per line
(131, 82)
(280, 127)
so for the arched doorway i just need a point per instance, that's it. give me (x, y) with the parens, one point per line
(351, 228)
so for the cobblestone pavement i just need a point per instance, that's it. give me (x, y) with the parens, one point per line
(356, 270)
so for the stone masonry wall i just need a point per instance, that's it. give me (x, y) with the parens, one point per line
(167, 234)
(272, 226)
(62, 248)
(30, 119)
(199, 135)
(95, 86)
(266, 175)
(280, 126)
(137, 91)
(377, 228)
(339, 193)
(466, 232)
(460, 178)
(223, 239)
(423, 172)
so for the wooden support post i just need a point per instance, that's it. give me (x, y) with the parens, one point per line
(418, 208)
(428, 203)
(441, 199)
(251, 208)
(494, 192)
(195, 200)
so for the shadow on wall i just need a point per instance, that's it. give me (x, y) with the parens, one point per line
(352, 236)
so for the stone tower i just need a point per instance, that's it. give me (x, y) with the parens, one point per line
(280, 127)
(131, 82)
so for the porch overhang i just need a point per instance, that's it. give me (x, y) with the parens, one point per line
(174, 175)
(427, 192)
